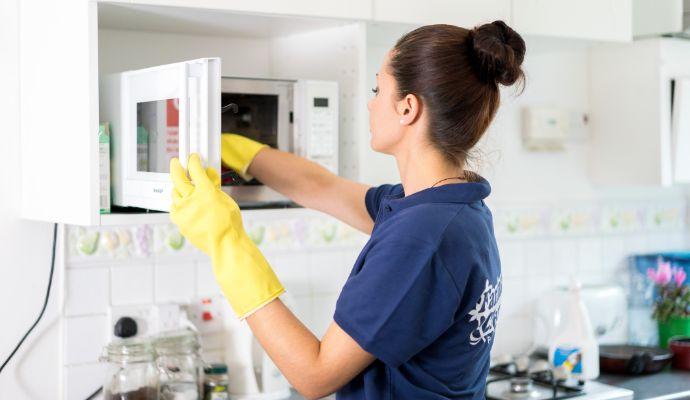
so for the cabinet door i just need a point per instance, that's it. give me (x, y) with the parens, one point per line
(583, 19)
(465, 13)
(352, 9)
(59, 111)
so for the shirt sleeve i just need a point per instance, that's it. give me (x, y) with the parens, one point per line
(401, 300)
(375, 194)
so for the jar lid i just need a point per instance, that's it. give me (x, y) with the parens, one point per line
(129, 348)
(216, 369)
(176, 342)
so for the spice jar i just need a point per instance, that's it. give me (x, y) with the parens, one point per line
(179, 365)
(216, 382)
(131, 372)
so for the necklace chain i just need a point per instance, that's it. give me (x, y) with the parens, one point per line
(464, 176)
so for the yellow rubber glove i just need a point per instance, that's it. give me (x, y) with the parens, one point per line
(211, 221)
(237, 152)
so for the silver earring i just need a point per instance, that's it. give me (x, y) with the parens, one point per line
(402, 121)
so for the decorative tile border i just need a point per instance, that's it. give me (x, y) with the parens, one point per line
(604, 219)
(107, 243)
(294, 229)
(270, 230)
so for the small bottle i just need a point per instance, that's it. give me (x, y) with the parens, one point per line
(104, 166)
(574, 350)
(216, 382)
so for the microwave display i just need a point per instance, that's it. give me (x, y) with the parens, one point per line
(320, 101)
(157, 134)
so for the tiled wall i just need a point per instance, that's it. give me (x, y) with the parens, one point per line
(312, 254)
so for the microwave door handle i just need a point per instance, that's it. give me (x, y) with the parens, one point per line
(193, 91)
(203, 115)
(183, 109)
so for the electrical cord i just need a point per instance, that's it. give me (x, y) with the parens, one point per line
(45, 302)
(94, 394)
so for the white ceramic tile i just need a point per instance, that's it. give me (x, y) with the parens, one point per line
(302, 307)
(131, 284)
(206, 284)
(665, 241)
(292, 269)
(513, 298)
(636, 244)
(564, 256)
(87, 291)
(83, 380)
(537, 289)
(175, 283)
(512, 253)
(85, 338)
(538, 256)
(589, 254)
(323, 308)
(327, 272)
(616, 249)
(513, 335)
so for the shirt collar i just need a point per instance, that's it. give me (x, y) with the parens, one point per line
(468, 192)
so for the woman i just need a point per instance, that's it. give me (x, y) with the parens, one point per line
(416, 318)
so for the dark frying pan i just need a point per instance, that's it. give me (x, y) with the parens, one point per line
(633, 360)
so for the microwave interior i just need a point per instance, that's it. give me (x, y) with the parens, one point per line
(254, 116)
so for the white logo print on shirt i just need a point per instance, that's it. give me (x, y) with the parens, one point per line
(485, 313)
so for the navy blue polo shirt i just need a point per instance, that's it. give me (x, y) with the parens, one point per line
(424, 293)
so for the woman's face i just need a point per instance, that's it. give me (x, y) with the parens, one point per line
(384, 118)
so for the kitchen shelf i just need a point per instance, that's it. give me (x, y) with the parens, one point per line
(134, 218)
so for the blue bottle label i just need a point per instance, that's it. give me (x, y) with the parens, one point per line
(570, 357)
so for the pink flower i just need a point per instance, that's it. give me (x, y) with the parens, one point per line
(679, 276)
(662, 275)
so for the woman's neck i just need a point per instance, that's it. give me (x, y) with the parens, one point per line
(421, 166)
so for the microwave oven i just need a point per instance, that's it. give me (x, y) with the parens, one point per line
(297, 116)
(177, 109)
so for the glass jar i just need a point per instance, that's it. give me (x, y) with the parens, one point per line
(131, 372)
(216, 382)
(179, 365)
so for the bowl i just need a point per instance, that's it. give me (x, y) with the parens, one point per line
(680, 346)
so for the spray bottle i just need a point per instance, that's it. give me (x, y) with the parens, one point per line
(574, 349)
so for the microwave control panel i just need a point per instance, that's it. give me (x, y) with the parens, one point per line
(316, 122)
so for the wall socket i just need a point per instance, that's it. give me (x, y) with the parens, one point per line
(151, 319)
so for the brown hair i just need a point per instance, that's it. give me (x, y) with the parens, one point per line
(456, 73)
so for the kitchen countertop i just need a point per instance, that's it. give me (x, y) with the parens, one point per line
(667, 384)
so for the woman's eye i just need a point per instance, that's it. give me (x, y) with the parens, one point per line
(375, 90)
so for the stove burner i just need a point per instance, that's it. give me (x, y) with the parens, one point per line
(507, 382)
(521, 388)
(520, 385)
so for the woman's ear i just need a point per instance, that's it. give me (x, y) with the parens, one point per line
(408, 109)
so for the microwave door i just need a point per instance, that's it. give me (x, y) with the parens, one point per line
(171, 113)
(681, 130)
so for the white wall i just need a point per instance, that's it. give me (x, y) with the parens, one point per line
(24, 246)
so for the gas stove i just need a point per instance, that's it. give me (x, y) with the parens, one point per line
(525, 379)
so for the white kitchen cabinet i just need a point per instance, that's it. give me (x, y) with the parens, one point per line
(465, 13)
(66, 47)
(636, 139)
(607, 20)
(352, 9)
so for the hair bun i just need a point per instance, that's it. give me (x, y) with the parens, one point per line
(498, 52)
